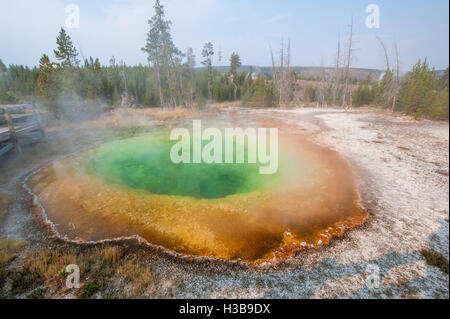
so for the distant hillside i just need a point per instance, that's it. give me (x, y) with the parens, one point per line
(307, 72)
(360, 74)
(438, 74)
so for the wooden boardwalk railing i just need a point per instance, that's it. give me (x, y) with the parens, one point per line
(16, 120)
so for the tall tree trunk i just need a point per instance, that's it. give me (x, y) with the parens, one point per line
(158, 76)
(274, 71)
(170, 82)
(389, 90)
(336, 72)
(183, 100)
(288, 81)
(347, 68)
(209, 90)
(281, 73)
(397, 78)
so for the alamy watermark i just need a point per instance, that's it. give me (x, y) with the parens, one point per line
(373, 19)
(73, 16)
(73, 277)
(228, 150)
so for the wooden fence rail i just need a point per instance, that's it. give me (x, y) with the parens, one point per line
(14, 125)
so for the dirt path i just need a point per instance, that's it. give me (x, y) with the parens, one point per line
(404, 184)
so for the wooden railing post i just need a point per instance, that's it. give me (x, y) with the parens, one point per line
(12, 131)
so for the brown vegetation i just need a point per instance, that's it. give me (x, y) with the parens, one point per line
(436, 260)
(102, 271)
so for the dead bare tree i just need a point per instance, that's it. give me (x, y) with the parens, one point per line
(397, 78)
(387, 75)
(282, 75)
(337, 72)
(348, 92)
(289, 80)
(125, 96)
(323, 86)
(274, 71)
(385, 53)
(392, 82)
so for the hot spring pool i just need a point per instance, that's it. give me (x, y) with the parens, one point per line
(130, 187)
(144, 163)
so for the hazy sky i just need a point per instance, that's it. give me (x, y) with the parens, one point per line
(28, 28)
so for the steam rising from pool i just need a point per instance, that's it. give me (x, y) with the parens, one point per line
(228, 211)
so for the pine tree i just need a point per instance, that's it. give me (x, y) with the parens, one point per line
(66, 52)
(164, 56)
(3, 68)
(97, 66)
(259, 97)
(443, 80)
(190, 75)
(207, 54)
(47, 85)
(364, 94)
(421, 95)
(46, 68)
(3, 77)
(235, 63)
(5, 96)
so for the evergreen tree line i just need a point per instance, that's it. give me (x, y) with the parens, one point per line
(17, 83)
(420, 94)
(92, 85)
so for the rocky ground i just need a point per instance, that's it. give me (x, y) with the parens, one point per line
(401, 252)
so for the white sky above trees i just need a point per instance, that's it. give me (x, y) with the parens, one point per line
(29, 28)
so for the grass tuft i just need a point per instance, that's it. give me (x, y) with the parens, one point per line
(9, 249)
(90, 289)
(36, 294)
(436, 260)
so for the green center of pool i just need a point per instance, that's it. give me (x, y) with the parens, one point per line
(144, 163)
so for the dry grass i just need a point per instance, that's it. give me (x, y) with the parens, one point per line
(5, 200)
(122, 118)
(226, 104)
(9, 249)
(168, 114)
(160, 114)
(104, 271)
